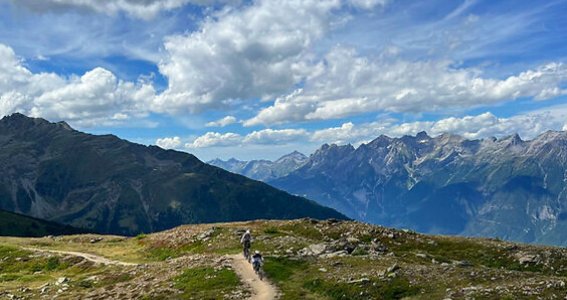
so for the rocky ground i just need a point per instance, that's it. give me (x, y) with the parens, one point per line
(305, 259)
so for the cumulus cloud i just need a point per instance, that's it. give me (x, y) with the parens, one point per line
(169, 142)
(271, 136)
(144, 9)
(222, 122)
(257, 52)
(215, 139)
(261, 137)
(95, 98)
(351, 84)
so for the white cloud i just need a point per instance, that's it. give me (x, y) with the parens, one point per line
(215, 139)
(348, 133)
(96, 98)
(274, 137)
(351, 84)
(257, 52)
(261, 137)
(222, 122)
(368, 4)
(144, 9)
(169, 142)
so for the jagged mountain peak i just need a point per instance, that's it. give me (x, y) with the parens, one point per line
(335, 148)
(21, 120)
(18, 121)
(379, 142)
(513, 139)
(422, 135)
(293, 156)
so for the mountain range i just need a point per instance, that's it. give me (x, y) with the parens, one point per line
(263, 170)
(108, 185)
(505, 188)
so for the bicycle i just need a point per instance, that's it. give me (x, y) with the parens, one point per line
(246, 250)
(258, 269)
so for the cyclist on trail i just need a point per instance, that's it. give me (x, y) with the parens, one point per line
(246, 241)
(257, 262)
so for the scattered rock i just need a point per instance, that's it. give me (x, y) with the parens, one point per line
(524, 258)
(393, 268)
(205, 236)
(333, 221)
(61, 280)
(361, 280)
(462, 263)
(95, 240)
(314, 250)
(334, 254)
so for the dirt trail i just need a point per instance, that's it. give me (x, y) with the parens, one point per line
(261, 289)
(91, 257)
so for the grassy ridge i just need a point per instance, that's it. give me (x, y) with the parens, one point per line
(189, 262)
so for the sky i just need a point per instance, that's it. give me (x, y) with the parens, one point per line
(259, 79)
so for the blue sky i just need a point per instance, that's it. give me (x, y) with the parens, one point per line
(259, 79)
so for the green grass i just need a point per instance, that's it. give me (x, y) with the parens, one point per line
(111, 279)
(161, 253)
(298, 280)
(396, 288)
(207, 283)
(271, 230)
(141, 236)
(16, 261)
(472, 251)
(280, 269)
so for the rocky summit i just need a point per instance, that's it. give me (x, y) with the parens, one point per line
(304, 259)
(108, 185)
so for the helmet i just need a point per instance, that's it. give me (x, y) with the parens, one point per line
(257, 252)
(247, 230)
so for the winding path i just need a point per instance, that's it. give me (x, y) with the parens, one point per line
(91, 257)
(261, 289)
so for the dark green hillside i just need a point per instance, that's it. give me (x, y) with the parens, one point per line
(12, 224)
(110, 185)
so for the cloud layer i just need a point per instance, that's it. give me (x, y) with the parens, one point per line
(350, 84)
(484, 125)
(258, 52)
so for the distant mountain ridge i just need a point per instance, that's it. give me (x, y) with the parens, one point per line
(263, 170)
(109, 185)
(507, 187)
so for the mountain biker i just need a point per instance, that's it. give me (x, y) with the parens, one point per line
(257, 261)
(246, 241)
